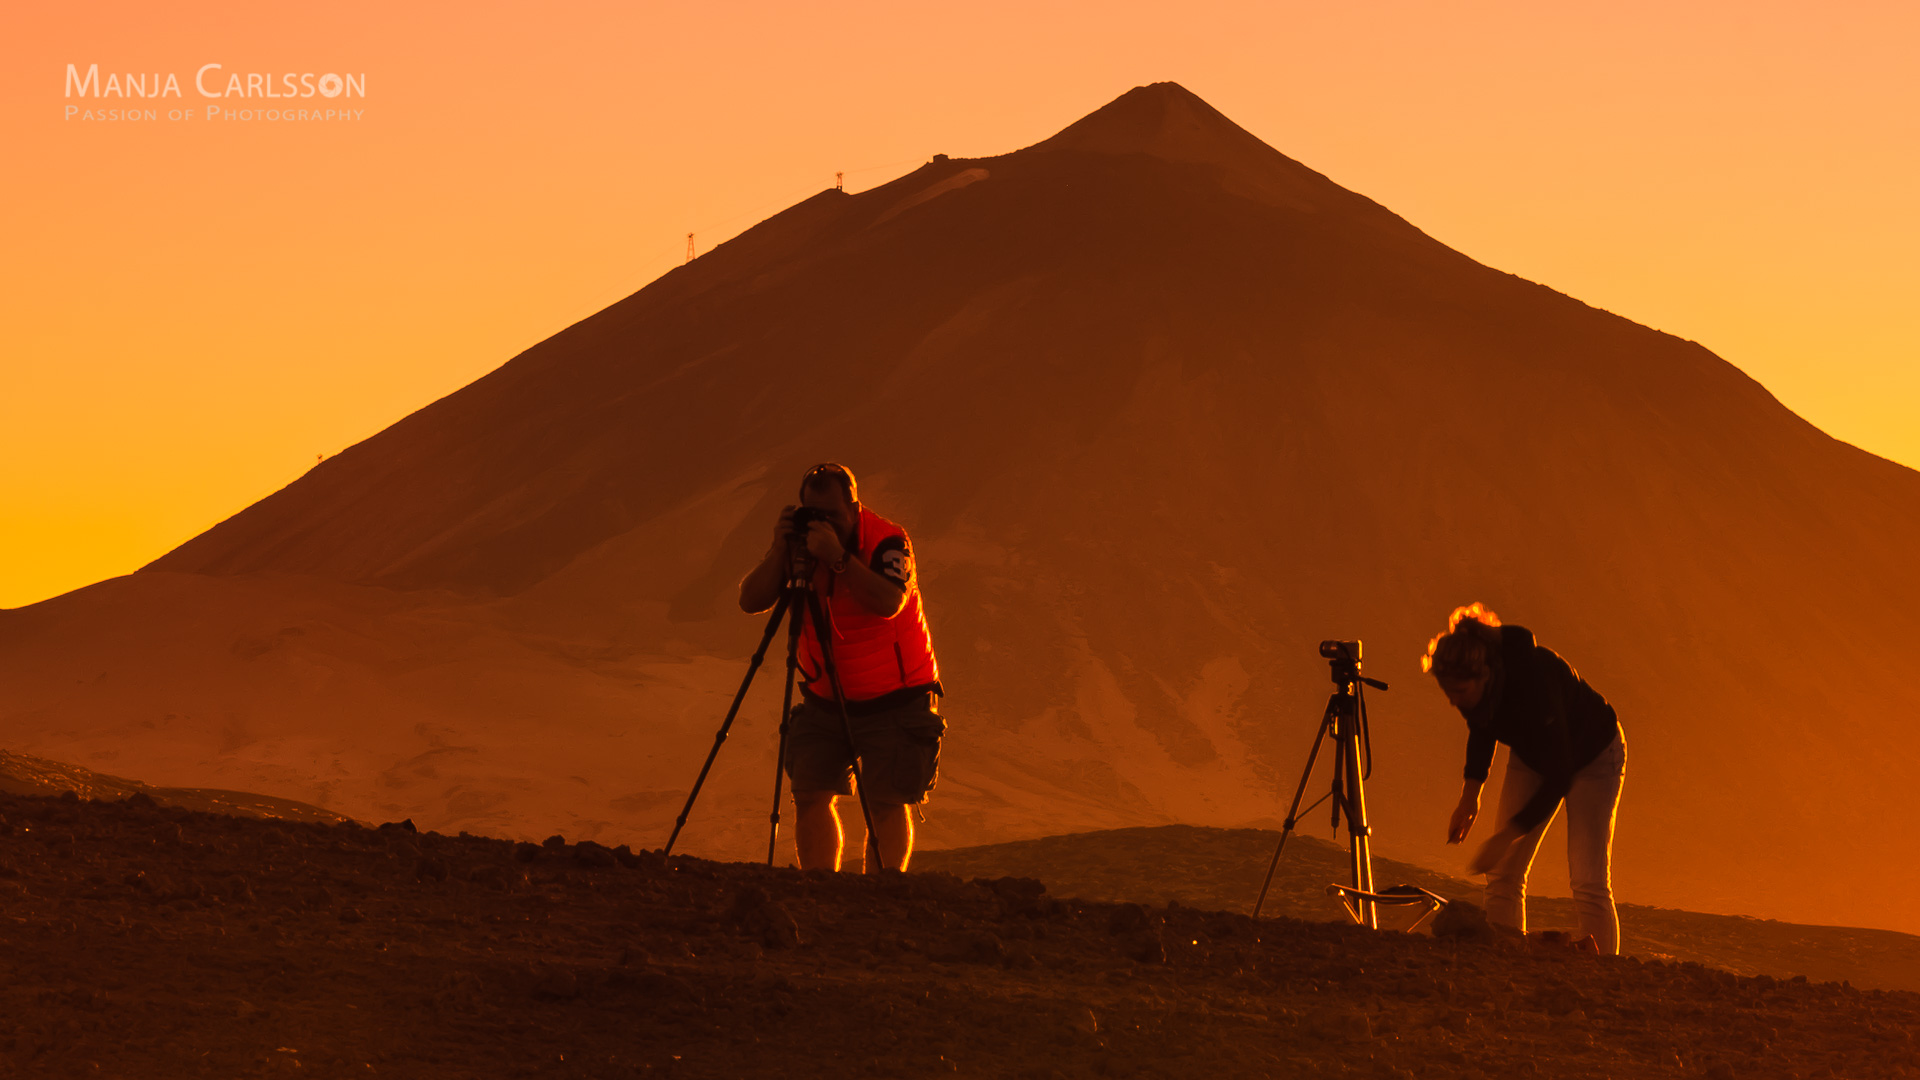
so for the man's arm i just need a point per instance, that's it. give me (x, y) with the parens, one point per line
(760, 589)
(881, 593)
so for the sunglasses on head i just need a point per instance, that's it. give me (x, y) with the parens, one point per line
(835, 472)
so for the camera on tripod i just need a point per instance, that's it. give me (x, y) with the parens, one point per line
(1344, 725)
(1345, 652)
(799, 559)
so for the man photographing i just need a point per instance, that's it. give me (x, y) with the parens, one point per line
(863, 572)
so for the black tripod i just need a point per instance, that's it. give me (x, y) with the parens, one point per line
(1345, 721)
(798, 600)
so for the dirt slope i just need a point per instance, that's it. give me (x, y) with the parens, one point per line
(139, 941)
(21, 774)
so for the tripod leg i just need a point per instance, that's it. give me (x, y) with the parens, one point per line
(786, 720)
(1352, 802)
(1358, 832)
(823, 634)
(1294, 810)
(753, 665)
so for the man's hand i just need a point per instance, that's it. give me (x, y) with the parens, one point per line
(1462, 821)
(1493, 850)
(823, 543)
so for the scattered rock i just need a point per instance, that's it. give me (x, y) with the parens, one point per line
(553, 982)
(526, 853)
(1339, 1024)
(398, 826)
(428, 868)
(747, 901)
(1463, 921)
(1559, 1000)
(462, 991)
(591, 855)
(554, 841)
(1017, 888)
(1020, 957)
(495, 876)
(759, 918)
(981, 947)
(1126, 919)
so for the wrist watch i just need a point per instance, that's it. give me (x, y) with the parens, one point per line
(839, 566)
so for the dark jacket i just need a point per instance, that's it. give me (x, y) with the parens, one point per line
(1546, 714)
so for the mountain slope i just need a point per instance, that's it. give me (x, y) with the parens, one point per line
(1162, 408)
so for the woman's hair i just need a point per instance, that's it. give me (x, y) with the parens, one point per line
(1461, 652)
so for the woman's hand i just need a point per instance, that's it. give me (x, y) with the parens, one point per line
(1462, 821)
(1493, 850)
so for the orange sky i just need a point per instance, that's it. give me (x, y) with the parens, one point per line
(195, 309)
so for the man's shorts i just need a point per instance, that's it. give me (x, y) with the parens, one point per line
(899, 750)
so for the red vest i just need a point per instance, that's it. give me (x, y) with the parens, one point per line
(873, 654)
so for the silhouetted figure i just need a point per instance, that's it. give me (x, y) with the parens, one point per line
(864, 574)
(1564, 743)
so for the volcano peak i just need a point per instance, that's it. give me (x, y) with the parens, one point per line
(1170, 122)
(1164, 119)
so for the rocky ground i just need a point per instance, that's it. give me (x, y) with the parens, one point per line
(1220, 869)
(139, 940)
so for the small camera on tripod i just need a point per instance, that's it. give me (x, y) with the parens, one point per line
(1345, 652)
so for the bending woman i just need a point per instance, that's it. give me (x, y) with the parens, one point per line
(1564, 744)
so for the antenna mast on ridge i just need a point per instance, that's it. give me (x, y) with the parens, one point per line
(689, 247)
(839, 181)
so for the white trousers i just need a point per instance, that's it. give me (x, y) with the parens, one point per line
(1591, 804)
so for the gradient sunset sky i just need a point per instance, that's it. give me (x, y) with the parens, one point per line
(195, 310)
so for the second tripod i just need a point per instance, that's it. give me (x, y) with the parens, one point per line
(799, 600)
(1345, 722)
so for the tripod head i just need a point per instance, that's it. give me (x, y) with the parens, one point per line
(800, 564)
(1344, 658)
